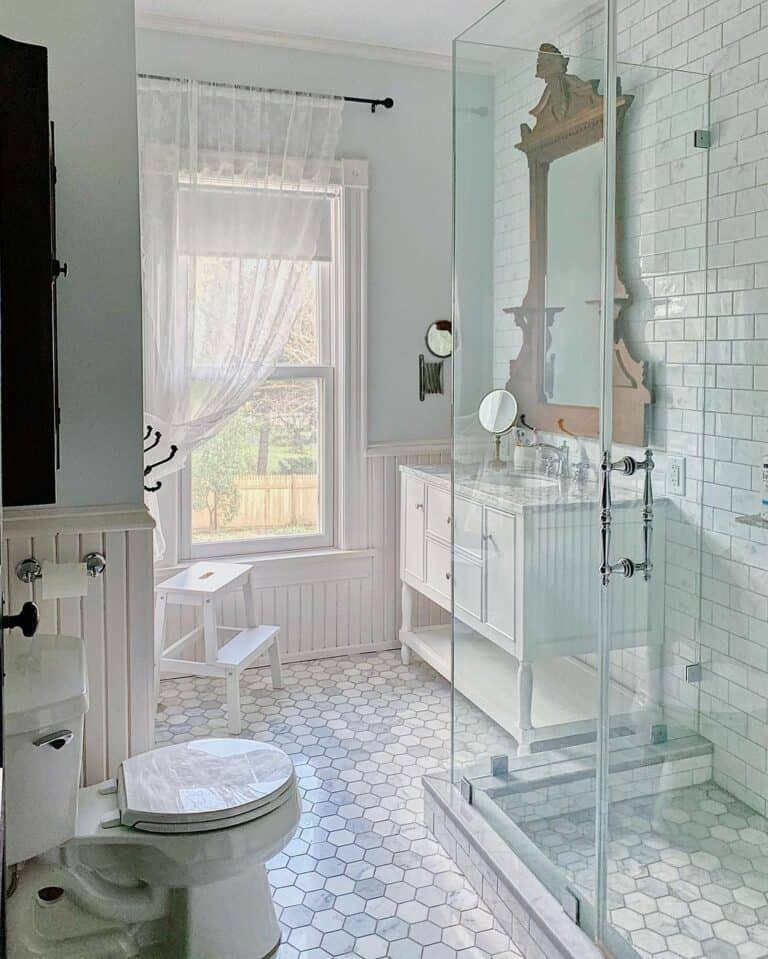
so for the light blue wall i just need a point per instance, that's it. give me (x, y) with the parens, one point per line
(93, 103)
(408, 149)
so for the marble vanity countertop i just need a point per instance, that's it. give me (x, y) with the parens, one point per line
(545, 494)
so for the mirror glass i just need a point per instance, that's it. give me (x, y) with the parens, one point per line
(440, 339)
(498, 411)
(574, 240)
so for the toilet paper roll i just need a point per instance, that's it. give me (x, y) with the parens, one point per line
(63, 580)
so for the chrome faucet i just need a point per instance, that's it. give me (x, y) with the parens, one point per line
(563, 455)
(581, 472)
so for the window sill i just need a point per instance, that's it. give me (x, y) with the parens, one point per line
(288, 568)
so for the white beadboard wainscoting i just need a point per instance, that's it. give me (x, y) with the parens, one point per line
(114, 619)
(345, 601)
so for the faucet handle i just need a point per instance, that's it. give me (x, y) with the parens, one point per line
(548, 465)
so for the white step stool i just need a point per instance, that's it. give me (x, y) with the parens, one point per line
(202, 585)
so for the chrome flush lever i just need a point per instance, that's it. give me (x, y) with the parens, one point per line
(628, 465)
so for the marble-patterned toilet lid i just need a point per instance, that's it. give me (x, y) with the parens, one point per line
(203, 781)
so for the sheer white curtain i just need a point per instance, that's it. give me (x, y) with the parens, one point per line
(232, 187)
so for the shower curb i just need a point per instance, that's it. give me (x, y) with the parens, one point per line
(523, 907)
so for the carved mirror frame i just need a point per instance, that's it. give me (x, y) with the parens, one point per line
(569, 117)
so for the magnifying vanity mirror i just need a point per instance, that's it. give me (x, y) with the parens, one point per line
(556, 375)
(439, 339)
(497, 414)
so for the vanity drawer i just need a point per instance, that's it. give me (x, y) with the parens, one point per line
(468, 526)
(439, 512)
(439, 568)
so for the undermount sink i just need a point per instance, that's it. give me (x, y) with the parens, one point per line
(530, 481)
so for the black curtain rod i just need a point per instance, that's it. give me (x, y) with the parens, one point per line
(387, 102)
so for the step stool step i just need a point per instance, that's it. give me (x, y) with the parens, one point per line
(246, 645)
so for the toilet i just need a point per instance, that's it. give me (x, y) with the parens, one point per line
(167, 861)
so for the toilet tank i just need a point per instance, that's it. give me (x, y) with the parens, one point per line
(45, 699)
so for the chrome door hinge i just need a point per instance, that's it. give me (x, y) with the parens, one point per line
(571, 905)
(693, 673)
(466, 790)
(499, 766)
(702, 139)
(659, 734)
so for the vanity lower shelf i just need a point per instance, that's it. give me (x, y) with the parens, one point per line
(565, 690)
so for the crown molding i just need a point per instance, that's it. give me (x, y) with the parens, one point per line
(292, 41)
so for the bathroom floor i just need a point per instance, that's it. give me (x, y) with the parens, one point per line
(362, 879)
(688, 871)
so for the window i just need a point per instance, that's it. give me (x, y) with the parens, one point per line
(287, 472)
(266, 481)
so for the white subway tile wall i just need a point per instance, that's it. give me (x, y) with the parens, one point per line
(701, 322)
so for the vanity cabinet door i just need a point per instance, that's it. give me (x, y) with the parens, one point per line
(500, 571)
(413, 527)
(468, 526)
(439, 569)
(467, 585)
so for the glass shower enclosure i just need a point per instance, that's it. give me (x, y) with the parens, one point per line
(581, 404)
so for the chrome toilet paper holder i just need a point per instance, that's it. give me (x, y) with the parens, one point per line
(29, 570)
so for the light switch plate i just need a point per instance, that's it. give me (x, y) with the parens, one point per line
(676, 475)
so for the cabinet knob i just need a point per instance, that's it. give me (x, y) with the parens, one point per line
(448, 520)
(448, 576)
(419, 506)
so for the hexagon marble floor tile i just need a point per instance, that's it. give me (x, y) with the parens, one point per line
(687, 871)
(362, 878)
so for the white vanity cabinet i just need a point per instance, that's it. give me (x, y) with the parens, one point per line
(523, 571)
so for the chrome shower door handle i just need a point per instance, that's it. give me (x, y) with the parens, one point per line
(647, 565)
(605, 520)
(628, 465)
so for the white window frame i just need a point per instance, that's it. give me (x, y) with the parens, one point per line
(324, 371)
(343, 431)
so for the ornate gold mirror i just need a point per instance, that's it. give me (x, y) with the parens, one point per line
(556, 376)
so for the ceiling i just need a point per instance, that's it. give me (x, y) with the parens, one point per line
(425, 26)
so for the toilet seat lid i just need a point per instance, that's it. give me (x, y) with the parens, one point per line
(202, 784)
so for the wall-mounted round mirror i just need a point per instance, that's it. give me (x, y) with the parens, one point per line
(498, 412)
(439, 339)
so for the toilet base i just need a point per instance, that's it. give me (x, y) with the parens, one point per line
(234, 917)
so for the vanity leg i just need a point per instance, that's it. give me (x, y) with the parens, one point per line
(407, 623)
(525, 702)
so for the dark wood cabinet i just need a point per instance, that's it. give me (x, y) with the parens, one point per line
(28, 270)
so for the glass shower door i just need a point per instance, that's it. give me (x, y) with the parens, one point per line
(649, 846)
(528, 227)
